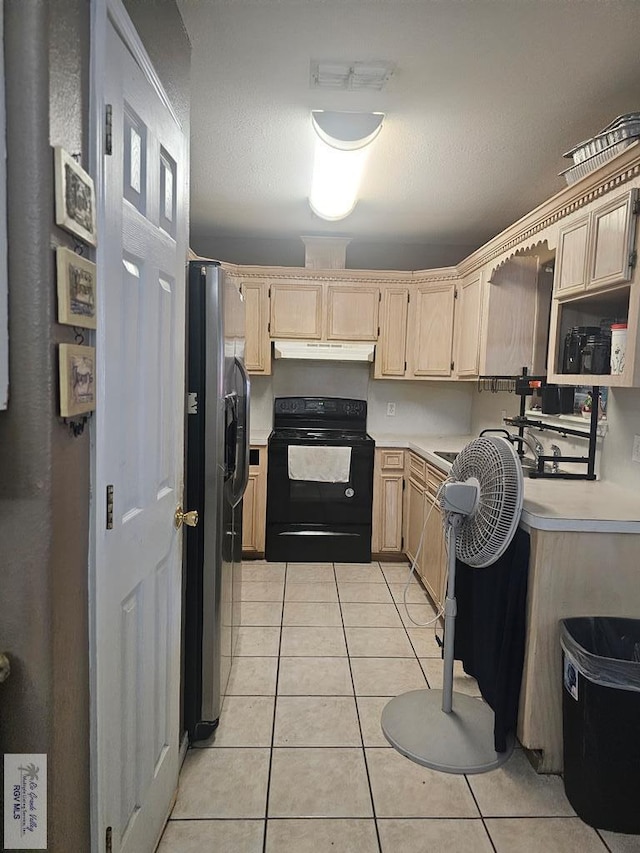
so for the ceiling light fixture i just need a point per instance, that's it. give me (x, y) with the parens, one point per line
(342, 146)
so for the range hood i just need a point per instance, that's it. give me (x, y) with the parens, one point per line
(324, 351)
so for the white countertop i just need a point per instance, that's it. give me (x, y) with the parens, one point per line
(259, 437)
(569, 505)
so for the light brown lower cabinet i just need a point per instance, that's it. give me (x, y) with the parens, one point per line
(254, 504)
(423, 482)
(570, 574)
(388, 480)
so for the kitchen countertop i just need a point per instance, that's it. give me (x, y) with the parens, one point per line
(562, 505)
(259, 437)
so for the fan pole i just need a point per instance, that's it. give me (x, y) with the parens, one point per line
(450, 612)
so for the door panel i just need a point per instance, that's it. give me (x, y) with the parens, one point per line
(468, 327)
(296, 310)
(432, 330)
(391, 348)
(139, 451)
(352, 312)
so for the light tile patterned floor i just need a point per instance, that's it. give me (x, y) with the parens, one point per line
(299, 763)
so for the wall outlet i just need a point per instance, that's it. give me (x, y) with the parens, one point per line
(391, 410)
(635, 453)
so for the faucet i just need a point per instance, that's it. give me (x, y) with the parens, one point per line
(555, 466)
(532, 443)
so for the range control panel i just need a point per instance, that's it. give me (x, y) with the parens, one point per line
(330, 412)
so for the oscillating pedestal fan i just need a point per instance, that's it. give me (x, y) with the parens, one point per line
(482, 503)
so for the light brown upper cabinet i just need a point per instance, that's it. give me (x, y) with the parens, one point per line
(468, 325)
(571, 259)
(391, 349)
(610, 290)
(416, 330)
(431, 310)
(352, 312)
(596, 250)
(497, 320)
(257, 344)
(613, 234)
(296, 310)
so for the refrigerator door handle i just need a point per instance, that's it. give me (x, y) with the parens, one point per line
(230, 434)
(243, 463)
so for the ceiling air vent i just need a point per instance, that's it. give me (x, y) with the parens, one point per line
(355, 76)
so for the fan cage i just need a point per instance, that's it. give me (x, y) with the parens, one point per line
(486, 533)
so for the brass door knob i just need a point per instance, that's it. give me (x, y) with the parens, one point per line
(188, 518)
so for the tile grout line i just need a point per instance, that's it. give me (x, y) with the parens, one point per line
(273, 724)
(486, 828)
(355, 701)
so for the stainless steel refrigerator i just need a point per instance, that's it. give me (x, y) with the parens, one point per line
(217, 475)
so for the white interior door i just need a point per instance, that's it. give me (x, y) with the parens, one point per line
(139, 451)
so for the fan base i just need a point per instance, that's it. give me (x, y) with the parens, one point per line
(460, 742)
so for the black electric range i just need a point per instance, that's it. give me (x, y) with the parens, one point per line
(319, 500)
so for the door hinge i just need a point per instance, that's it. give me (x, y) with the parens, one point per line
(378, 331)
(108, 840)
(192, 403)
(269, 328)
(403, 484)
(405, 365)
(109, 507)
(379, 296)
(633, 258)
(108, 129)
(455, 293)
(402, 543)
(269, 293)
(452, 365)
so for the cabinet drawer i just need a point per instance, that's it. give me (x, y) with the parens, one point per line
(391, 460)
(435, 478)
(417, 468)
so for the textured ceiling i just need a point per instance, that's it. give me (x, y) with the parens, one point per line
(486, 97)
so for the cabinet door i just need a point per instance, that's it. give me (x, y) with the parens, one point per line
(613, 229)
(248, 515)
(296, 310)
(388, 521)
(571, 258)
(257, 354)
(352, 313)
(388, 477)
(414, 521)
(468, 318)
(254, 504)
(431, 330)
(391, 348)
(433, 548)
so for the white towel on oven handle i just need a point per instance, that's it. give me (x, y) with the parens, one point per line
(319, 464)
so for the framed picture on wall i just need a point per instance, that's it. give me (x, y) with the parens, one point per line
(76, 278)
(77, 379)
(75, 197)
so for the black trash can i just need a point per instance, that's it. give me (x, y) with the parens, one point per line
(601, 720)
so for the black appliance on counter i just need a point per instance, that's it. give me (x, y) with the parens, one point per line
(587, 349)
(319, 497)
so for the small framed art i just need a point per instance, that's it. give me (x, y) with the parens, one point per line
(75, 197)
(77, 379)
(76, 278)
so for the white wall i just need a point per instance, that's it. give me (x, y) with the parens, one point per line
(421, 407)
(623, 415)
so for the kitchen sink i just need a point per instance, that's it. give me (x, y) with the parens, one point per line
(447, 455)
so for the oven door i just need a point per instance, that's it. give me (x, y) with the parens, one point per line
(310, 520)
